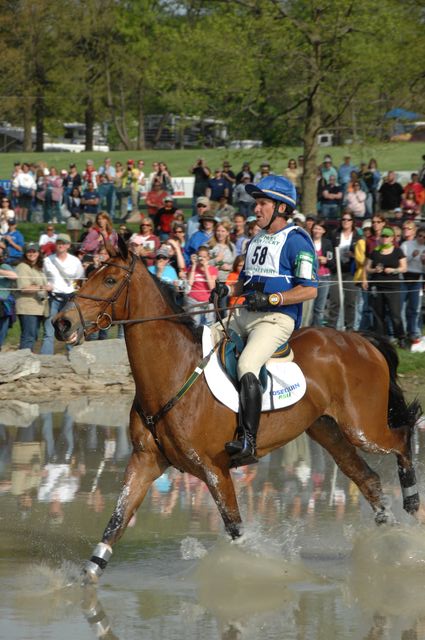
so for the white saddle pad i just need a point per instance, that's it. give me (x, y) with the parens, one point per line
(286, 385)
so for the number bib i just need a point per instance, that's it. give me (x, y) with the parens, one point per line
(263, 254)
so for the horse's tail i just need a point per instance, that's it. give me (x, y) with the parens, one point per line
(400, 413)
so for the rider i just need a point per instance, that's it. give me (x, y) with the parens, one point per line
(279, 274)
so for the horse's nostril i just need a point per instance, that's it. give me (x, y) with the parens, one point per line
(63, 325)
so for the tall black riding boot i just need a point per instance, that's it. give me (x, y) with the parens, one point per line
(243, 451)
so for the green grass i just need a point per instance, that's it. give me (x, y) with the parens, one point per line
(402, 156)
(411, 362)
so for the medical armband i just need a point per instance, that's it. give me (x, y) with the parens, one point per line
(304, 265)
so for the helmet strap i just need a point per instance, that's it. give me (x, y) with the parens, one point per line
(274, 214)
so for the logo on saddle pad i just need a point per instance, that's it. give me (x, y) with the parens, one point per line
(286, 383)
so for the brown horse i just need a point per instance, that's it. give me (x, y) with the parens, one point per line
(352, 400)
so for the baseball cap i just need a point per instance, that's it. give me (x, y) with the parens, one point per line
(299, 216)
(168, 199)
(63, 237)
(136, 239)
(203, 200)
(366, 223)
(163, 251)
(32, 246)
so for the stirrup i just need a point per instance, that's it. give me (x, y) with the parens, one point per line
(234, 447)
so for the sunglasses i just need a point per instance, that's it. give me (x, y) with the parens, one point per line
(161, 258)
(378, 222)
(201, 205)
(347, 219)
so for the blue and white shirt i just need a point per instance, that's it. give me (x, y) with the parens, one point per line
(279, 262)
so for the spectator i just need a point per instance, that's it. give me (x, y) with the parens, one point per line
(155, 198)
(326, 261)
(411, 296)
(51, 196)
(383, 269)
(32, 304)
(202, 174)
(218, 186)
(124, 232)
(355, 201)
(246, 168)
(241, 198)
(164, 177)
(331, 199)
(201, 279)
(230, 178)
(100, 234)
(200, 237)
(63, 272)
(152, 175)
(239, 235)
(390, 193)
(367, 181)
(263, 172)
(89, 175)
(222, 250)
(374, 240)
(344, 239)
(164, 218)
(409, 204)
(162, 268)
(178, 233)
(224, 209)
(145, 243)
(344, 172)
(47, 241)
(107, 170)
(7, 302)
(141, 181)
(75, 207)
(131, 180)
(415, 185)
(373, 167)
(24, 186)
(6, 215)
(15, 244)
(72, 181)
(234, 277)
(202, 206)
(327, 170)
(90, 201)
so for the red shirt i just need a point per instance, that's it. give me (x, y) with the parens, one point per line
(200, 291)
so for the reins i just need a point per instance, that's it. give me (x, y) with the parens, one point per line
(149, 420)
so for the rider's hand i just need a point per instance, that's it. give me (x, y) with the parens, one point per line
(258, 301)
(221, 290)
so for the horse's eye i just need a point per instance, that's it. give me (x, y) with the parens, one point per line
(109, 281)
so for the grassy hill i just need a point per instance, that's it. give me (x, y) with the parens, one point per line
(401, 156)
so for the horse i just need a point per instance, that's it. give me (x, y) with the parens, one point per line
(353, 400)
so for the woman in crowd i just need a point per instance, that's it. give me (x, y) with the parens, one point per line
(155, 198)
(52, 196)
(7, 302)
(100, 234)
(344, 240)
(234, 277)
(409, 205)
(6, 214)
(382, 279)
(355, 200)
(222, 250)
(373, 167)
(145, 243)
(24, 185)
(179, 233)
(291, 172)
(326, 260)
(74, 224)
(164, 177)
(32, 303)
(201, 278)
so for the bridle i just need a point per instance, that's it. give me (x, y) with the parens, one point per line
(109, 302)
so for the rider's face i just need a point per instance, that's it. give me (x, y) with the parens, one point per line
(263, 211)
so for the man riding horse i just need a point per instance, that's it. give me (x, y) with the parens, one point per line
(279, 274)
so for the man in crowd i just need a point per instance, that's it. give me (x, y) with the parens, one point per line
(63, 272)
(390, 192)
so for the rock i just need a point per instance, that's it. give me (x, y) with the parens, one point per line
(15, 413)
(106, 353)
(54, 366)
(18, 364)
(118, 375)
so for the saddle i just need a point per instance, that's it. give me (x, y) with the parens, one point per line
(230, 349)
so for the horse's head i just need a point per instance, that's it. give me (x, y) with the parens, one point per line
(102, 299)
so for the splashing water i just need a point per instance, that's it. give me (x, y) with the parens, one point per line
(192, 549)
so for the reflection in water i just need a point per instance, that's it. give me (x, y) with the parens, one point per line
(311, 564)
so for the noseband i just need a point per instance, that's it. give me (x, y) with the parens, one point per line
(109, 302)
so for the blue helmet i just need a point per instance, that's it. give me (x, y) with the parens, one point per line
(274, 188)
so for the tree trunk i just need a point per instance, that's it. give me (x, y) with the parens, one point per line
(312, 128)
(39, 123)
(27, 119)
(89, 122)
(141, 121)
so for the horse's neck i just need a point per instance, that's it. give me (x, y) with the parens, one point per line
(161, 352)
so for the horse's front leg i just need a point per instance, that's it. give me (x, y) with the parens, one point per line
(146, 464)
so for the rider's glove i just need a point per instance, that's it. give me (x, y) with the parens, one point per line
(259, 301)
(221, 290)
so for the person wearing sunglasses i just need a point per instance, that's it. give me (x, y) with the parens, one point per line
(414, 250)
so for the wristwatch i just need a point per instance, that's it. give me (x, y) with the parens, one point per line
(275, 299)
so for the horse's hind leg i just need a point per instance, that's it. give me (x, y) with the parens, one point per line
(146, 464)
(326, 432)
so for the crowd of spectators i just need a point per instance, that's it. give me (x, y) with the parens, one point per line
(367, 232)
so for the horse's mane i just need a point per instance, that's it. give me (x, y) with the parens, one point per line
(169, 294)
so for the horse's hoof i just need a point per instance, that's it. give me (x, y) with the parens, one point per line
(411, 504)
(385, 516)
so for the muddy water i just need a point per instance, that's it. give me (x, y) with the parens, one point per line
(312, 564)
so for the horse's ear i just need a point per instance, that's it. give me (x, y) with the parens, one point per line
(122, 248)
